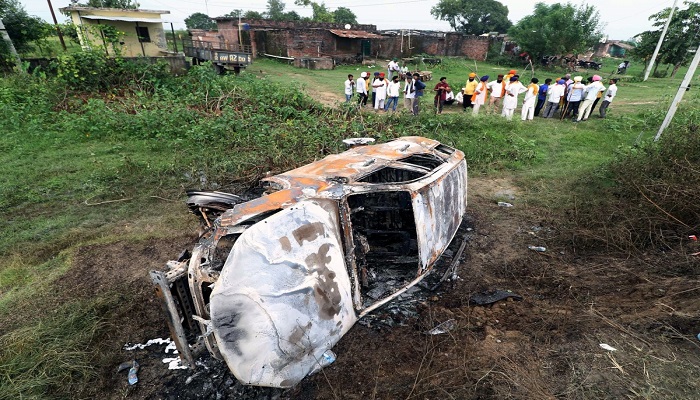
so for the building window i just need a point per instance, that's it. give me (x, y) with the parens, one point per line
(142, 33)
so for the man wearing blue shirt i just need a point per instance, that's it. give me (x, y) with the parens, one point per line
(418, 87)
(542, 96)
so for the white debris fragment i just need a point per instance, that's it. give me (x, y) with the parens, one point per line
(174, 363)
(606, 346)
(171, 346)
(129, 347)
(444, 327)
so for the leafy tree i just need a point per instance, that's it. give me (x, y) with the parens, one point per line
(275, 10)
(557, 30)
(321, 13)
(22, 28)
(253, 15)
(111, 4)
(200, 20)
(682, 35)
(343, 15)
(473, 17)
(292, 16)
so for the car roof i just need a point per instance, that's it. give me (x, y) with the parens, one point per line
(311, 180)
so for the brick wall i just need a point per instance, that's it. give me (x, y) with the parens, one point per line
(450, 45)
(311, 39)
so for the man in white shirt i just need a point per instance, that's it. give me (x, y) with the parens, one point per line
(408, 94)
(392, 68)
(374, 89)
(349, 88)
(379, 86)
(590, 94)
(555, 94)
(361, 89)
(495, 89)
(392, 92)
(528, 111)
(449, 97)
(609, 96)
(574, 97)
(510, 99)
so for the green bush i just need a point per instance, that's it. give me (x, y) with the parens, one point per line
(92, 71)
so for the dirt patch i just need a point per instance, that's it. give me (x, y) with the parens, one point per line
(544, 347)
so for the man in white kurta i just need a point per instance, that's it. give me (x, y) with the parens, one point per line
(590, 94)
(510, 99)
(480, 94)
(379, 86)
(530, 100)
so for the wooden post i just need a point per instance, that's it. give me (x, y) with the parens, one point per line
(58, 29)
(143, 51)
(172, 30)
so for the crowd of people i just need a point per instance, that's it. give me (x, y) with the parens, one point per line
(561, 98)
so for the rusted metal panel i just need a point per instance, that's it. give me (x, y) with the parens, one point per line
(354, 34)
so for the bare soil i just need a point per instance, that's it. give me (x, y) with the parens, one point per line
(546, 346)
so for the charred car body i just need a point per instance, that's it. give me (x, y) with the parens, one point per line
(276, 281)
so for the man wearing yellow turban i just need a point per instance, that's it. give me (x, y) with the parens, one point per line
(469, 90)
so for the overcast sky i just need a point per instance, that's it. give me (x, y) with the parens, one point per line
(622, 18)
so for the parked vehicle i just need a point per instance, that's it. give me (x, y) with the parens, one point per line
(275, 281)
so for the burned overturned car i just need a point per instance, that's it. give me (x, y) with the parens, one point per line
(274, 282)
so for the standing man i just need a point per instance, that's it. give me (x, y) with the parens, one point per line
(506, 81)
(392, 68)
(409, 95)
(349, 88)
(496, 89)
(528, 111)
(392, 93)
(441, 94)
(573, 99)
(510, 100)
(480, 94)
(379, 86)
(374, 90)
(556, 92)
(361, 89)
(542, 96)
(609, 96)
(469, 89)
(418, 87)
(591, 93)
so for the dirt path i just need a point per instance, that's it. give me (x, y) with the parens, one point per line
(546, 346)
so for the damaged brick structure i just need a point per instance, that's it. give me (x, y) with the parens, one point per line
(318, 45)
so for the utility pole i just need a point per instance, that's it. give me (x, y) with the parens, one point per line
(58, 30)
(685, 86)
(661, 39)
(7, 39)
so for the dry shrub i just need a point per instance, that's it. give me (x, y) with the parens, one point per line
(653, 200)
